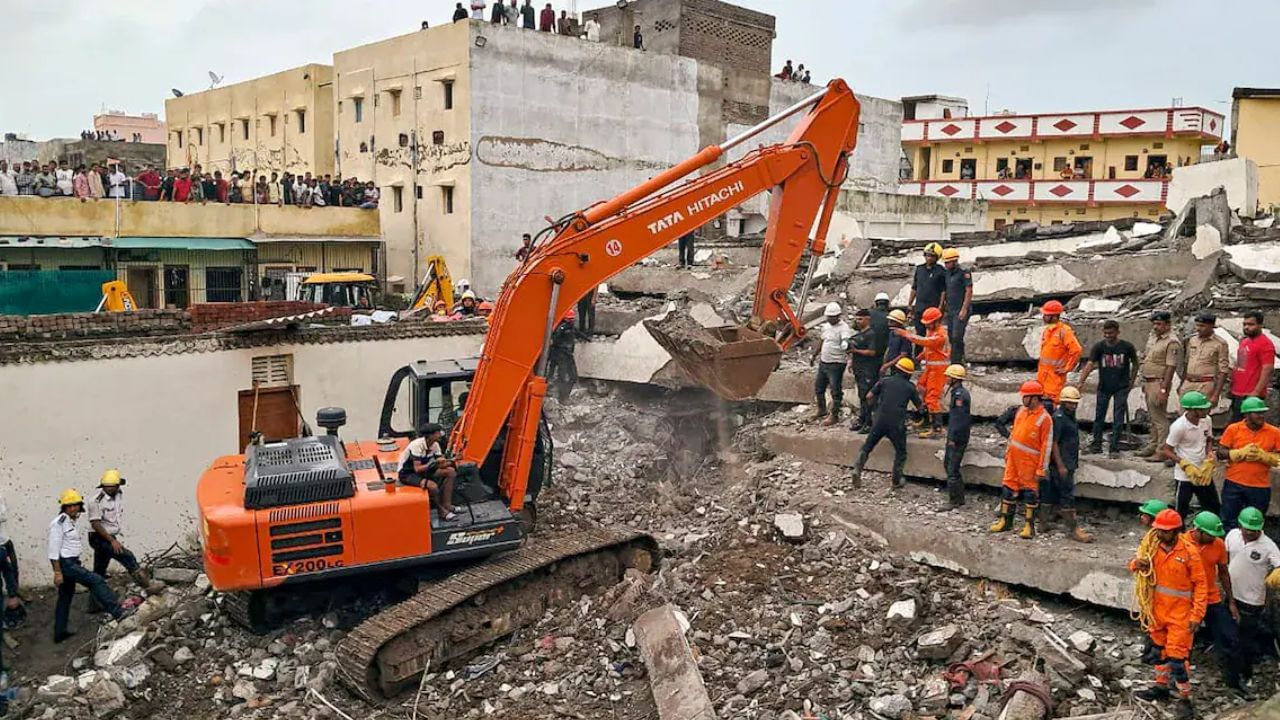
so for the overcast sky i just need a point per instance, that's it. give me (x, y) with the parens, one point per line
(61, 61)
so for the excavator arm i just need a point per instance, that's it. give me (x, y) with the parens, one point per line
(588, 248)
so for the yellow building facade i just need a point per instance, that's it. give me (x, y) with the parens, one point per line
(1056, 167)
(1255, 134)
(277, 123)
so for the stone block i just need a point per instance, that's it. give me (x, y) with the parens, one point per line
(940, 644)
(1258, 262)
(678, 690)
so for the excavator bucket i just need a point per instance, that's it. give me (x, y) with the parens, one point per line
(733, 362)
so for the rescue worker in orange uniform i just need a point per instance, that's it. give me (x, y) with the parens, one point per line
(935, 356)
(1059, 352)
(1026, 461)
(1178, 606)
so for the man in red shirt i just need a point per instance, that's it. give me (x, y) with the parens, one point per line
(150, 180)
(1255, 360)
(1252, 448)
(220, 186)
(547, 20)
(182, 186)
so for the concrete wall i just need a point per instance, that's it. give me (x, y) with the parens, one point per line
(1238, 176)
(12, 151)
(1255, 125)
(64, 216)
(408, 142)
(889, 215)
(148, 125)
(162, 420)
(209, 128)
(559, 124)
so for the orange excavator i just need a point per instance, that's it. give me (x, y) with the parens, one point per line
(298, 513)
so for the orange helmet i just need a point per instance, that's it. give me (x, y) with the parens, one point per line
(1167, 519)
(1053, 307)
(1031, 387)
(485, 306)
(931, 315)
(571, 315)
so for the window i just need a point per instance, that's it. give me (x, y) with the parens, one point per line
(1022, 168)
(417, 92)
(272, 370)
(357, 106)
(178, 133)
(79, 267)
(271, 123)
(417, 191)
(21, 266)
(302, 121)
(395, 104)
(948, 166)
(1157, 146)
(437, 137)
(397, 198)
(200, 136)
(223, 284)
(1084, 146)
(1130, 163)
(448, 94)
(244, 126)
(1059, 163)
(222, 132)
(1002, 166)
(968, 168)
(448, 200)
(404, 139)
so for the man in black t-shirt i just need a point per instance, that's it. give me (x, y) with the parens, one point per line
(928, 283)
(865, 366)
(1117, 363)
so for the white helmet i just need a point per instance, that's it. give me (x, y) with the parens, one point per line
(833, 309)
(882, 296)
(464, 284)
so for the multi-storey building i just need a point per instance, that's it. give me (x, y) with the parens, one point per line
(1255, 134)
(1051, 167)
(144, 128)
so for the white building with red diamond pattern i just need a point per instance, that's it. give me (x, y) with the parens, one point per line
(1051, 168)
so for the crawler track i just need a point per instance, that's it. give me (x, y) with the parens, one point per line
(450, 618)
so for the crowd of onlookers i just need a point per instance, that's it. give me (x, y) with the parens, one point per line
(794, 74)
(108, 135)
(97, 181)
(516, 14)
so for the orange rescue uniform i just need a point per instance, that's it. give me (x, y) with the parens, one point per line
(935, 356)
(1181, 596)
(1030, 444)
(1059, 353)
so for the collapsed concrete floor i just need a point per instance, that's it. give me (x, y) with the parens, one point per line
(854, 611)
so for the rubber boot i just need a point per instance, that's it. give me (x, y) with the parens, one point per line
(1029, 526)
(834, 417)
(144, 581)
(928, 426)
(1074, 531)
(898, 479)
(856, 474)
(1005, 521)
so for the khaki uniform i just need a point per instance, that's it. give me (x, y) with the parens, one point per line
(1161, 353)
(1206, 359)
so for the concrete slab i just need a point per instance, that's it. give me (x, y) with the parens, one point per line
(1238, 176)
(655, 281)
(1124, 480)
(678, 690)
(1258, 262)
(1263, 291)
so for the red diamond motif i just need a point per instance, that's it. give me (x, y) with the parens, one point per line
(1213, 124)
(1127, 191)
(1005, 127)
(1064, 125)
(947, 190)
(1002, 190)
(951, 129)
(1061, 190)
(1133, 122)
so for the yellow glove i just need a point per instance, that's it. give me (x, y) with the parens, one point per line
(1270, 458)
(1253, 453)
(1188, 468)
(1239, 454)
(1273, 580)
(1204, 473)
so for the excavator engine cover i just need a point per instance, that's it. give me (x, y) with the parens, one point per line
(733, 362)
(296, 472)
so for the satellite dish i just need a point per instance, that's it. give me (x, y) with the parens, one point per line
(214, 78)
(176, 92)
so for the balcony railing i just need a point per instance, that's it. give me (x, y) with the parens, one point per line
(1043, 191)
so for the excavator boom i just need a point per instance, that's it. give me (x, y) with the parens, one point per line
(804, 174)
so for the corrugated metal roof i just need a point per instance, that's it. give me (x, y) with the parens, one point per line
(182, 243)
(22, 241)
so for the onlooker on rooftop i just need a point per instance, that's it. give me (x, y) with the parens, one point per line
(459, 13)
(637, 40)
(547, 19)
(527, 15)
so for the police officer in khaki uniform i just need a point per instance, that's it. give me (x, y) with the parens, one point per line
(106, 520)
(1162, 357)
(1208, 360)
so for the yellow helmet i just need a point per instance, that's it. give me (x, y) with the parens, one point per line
(111, 478)
(950, 254)
(898, 316)
(955, 371)
(1069, 394)
(70, 497)
(933, 249)
(905, 365)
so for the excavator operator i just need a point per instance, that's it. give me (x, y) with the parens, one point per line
(423, 464)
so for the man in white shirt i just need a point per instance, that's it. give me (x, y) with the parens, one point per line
(591, 30)
(423, 464)
(1190, 445)
(1253, 559)
(831, 355)
(106, 521)
(64, 557)
(119, 183)
(7, 185)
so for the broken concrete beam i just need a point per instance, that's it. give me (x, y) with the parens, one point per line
(678, 690)
(795, 385)
(668, 281)
(614, 320)
(1258, 262)
(1123, 480)
(1023, 705)
(1095, 573)
(1267, 291)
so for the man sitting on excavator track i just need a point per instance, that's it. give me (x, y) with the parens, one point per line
(423, 464)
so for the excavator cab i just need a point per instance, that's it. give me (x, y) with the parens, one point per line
(433, 392)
